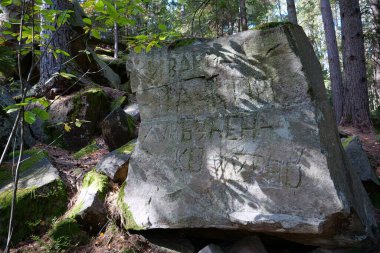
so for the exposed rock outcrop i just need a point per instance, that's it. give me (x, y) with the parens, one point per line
(237, 134)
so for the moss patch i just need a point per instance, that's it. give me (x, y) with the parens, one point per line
(347, 141)
(91, 148)
(35, 208)
(270, 25)
(126, 215)
(66, 234)
(127, 148)
(181, 43)
(98, 181)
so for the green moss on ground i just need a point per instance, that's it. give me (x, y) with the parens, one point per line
(36, 208)
(126, 215)
(66, 234)
(127, 148)
(89, 149)
(98, 181)
(270, 25)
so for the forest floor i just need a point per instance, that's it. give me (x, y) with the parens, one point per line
(112, 238)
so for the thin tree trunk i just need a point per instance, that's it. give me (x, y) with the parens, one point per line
(116, 38)
(356, 105)
(243, 15)
(279, 8)
(375, 6)
(333, 58)
(51, 61)
(292, 13)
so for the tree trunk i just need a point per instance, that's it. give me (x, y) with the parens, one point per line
(375, 6)
(356, 105)
(243, 15)
(116, 38)
(333, 58)
(51, 61)
(292, 13)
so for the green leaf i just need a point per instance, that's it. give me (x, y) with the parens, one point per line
(29, 117)
(96, 34)
(40, 113)
(67, 75)
(162, 27)
(87, 21)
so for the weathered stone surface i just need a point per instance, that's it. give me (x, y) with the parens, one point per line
(237, 134)
(41, 195)
(91, 105)
(115, 163)
(211, 248)
(118, 128)
(359, 160)
(89, 209)
(108, 73)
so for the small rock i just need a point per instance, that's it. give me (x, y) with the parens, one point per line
(251, 244)
(118, 128)
(211, 248)
(89, 207)
(133, 110)
(115, 163)
(359, 160)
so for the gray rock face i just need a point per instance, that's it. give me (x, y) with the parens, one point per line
(115, 163)
(118, 128)
(359, 159)
(211, 248)
(237, 134)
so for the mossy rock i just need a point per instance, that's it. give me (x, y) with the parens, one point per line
(66, 234)
(89, 208)
(89, 149)
(83, 111)
(115, 164)
(270, 25)
(40, 198)
(126, 215)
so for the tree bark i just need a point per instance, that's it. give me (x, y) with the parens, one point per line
(243, 15)
(52, 62)
(292, 13)
(356, 104)
(375, 6)
(333, 59)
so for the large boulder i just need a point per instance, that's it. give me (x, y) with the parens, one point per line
(41, 196)
(237, 134)
(89, 106)
(359, 160)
